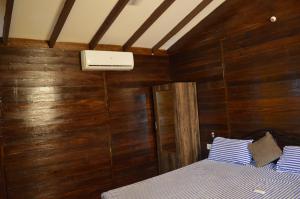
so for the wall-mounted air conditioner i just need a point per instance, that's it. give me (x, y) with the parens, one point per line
(92, 60)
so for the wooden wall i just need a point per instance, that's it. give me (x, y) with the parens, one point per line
(73, 134)
(131, 112)
(204, 67)
(2, 176)
(247, 68)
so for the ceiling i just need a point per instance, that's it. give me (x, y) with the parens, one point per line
(2, 9)
(35, 19)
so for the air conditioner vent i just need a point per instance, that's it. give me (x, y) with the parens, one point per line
(92, 60)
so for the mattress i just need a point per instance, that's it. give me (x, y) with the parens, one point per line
(208, 179)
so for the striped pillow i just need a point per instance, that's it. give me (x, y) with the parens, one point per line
(290, 160)
(230, 150)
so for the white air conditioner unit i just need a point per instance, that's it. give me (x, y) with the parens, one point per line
(92, 60)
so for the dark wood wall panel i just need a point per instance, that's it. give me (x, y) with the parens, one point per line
(204, 66)
(263, 78)
(59, 124)
(2, 173)
(164, 112)
(130, 99)
(148, 71)
(251, 79)
(56, 138)
(133, 137)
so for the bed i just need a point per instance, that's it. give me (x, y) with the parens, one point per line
(208, 179)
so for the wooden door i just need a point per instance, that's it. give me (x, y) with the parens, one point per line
(132, 135)
(165, 130)
(186, 123)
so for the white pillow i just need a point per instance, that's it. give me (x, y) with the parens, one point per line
(290, 160)
(230, 150)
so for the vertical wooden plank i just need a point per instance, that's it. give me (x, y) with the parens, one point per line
(204, 66)
(225, 87)
(186, 123)
(165, 129)
(133, 140)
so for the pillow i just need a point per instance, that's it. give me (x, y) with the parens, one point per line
(270, 166)
(265, 150)
(290, 160)
(230, 150)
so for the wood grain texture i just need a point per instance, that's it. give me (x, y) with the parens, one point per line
(186, 123)
(168, 162)
(165, 117)
(54, 126)
(31, 43)
(262, 68)
(61, 22)
(132, 135)
(7, 20)
(150, 20)
(148, 71)
(59, 124)
(109, 20)
(204, 66)
(3, 194)
(177, 125)
(132, 119)
(247, 69)
(163, 96)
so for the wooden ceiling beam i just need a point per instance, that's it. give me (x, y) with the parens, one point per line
(7, 20)
(146, 25)
(60, 22)
(221, 13)
(115, 12)
(32, 43)
(182, 24)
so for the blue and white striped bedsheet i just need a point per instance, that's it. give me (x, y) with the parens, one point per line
(208, 179)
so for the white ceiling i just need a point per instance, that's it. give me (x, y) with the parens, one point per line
(35, 19)
(168, 20)
(209, 9)
(129, 21)
(84, 20)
